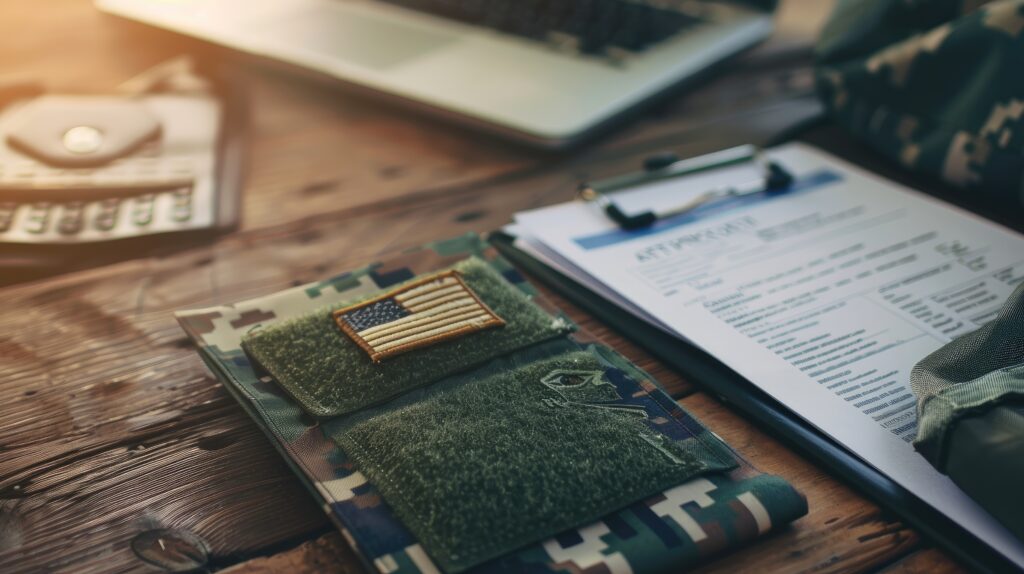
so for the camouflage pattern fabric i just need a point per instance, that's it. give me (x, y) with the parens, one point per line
(936, 85)
(677, 528)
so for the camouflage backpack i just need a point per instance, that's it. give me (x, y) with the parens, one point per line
(937, 85)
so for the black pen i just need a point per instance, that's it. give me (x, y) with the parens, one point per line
(775, 179)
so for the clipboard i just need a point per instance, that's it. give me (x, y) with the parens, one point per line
(773, 416)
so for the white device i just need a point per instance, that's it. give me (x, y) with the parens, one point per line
(543, 91)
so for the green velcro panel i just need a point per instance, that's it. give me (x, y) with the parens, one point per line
(329, 374)
(481, 464)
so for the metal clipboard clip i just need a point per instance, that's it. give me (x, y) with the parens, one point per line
(775, 179)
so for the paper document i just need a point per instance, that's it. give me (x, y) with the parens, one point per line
(825, 296)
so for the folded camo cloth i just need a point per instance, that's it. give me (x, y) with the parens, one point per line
(935, 85)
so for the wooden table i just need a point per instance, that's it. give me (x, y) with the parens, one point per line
(111, 429)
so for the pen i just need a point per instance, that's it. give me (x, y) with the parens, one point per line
(775, 179)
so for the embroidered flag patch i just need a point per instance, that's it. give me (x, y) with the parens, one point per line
(435, 309)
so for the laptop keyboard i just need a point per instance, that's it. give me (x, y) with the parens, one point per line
(590, 26)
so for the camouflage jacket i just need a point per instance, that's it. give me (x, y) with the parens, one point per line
(933, 84)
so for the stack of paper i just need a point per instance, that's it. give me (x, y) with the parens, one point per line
(825, 296)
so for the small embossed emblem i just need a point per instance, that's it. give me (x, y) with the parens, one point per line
(590, 389)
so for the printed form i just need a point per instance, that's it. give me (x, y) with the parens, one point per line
(825, 296)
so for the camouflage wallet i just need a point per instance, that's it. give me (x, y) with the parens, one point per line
(717, 504)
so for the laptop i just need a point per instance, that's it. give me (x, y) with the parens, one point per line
(546, 72)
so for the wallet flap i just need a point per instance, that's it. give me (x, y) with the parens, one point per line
(527, 446)
(343, 358)
(82, 131)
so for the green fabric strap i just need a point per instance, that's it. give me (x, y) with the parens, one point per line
(939, 414)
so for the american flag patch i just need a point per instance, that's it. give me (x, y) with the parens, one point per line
(429, 311)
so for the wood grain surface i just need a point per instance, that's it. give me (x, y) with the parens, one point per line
(119, 452)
